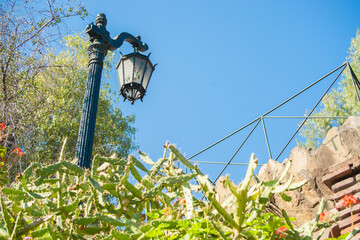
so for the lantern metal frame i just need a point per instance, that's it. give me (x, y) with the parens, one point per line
(132, 90)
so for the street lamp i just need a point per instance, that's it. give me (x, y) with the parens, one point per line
(134, 72)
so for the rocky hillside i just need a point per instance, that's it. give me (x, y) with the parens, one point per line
(340, 145)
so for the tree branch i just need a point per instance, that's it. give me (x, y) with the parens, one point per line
(36, 33)
(33, 225)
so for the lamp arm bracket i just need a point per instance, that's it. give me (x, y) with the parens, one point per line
(100, 32)
(134, 41)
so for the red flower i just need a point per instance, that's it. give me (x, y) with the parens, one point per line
(2, 126)
(348, 200)
(322, 216)
(326, 217)
(281, 231)
(18, 151)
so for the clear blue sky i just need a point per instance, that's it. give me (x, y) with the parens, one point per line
(224, 63)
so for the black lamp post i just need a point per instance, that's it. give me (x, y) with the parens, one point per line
(134, 72)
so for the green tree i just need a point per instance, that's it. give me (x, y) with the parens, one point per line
(341, 101)
(27, 30)
(62, 86)
(42, 85)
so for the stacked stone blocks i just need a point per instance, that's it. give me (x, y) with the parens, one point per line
(344, 179)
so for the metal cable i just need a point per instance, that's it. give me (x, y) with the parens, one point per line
(222, 163)
(355, 81)
(303, 122)
(252, 130)
(207, 148)
(266, 137)
(281, 104)
(306, 116)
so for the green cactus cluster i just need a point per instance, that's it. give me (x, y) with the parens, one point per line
(123, 199)
(113, 200)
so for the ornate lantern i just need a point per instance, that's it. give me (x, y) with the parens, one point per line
(134, 72)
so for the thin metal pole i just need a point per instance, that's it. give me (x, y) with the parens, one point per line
(311, 85)
(303, 122)
(245, 126)
(314, 83)
(266, 137)
(223, 163)
(227, 164)
(306, 117)
(353, 77)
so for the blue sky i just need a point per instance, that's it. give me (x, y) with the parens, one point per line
(223, 64)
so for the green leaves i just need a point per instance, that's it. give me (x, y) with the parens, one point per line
(51, 109)
(111, 221)
(285, 197)
(70, 207)
(137, 163)
(112, 198)
(3, 151)
(84, 221)
(95, 184)
(181, 157)
(48, 170)
(7, 219)
(16, 225)
(13, 192)
(3, 172)
(177, 179)
(119, 235)
(207, 188)
(116, 201)
(73, 167)
(340, 101)
(34, 195)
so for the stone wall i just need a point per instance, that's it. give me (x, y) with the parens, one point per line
(344, 179)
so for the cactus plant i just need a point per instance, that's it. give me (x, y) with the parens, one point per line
(65, 201)
(122, 199)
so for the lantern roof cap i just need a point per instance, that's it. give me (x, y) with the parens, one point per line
(135, 54)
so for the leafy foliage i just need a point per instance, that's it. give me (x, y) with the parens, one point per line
(42, 90)
(63, 87)
(339, 102)
(68, 201)
(121, 199)
(27, 30)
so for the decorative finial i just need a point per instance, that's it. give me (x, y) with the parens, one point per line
(101, 19)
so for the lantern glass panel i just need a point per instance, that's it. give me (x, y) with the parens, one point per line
(147, 75)
(120, 73)
(140, 64)
(128, 69)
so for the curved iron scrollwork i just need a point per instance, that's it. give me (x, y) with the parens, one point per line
(98, 31)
